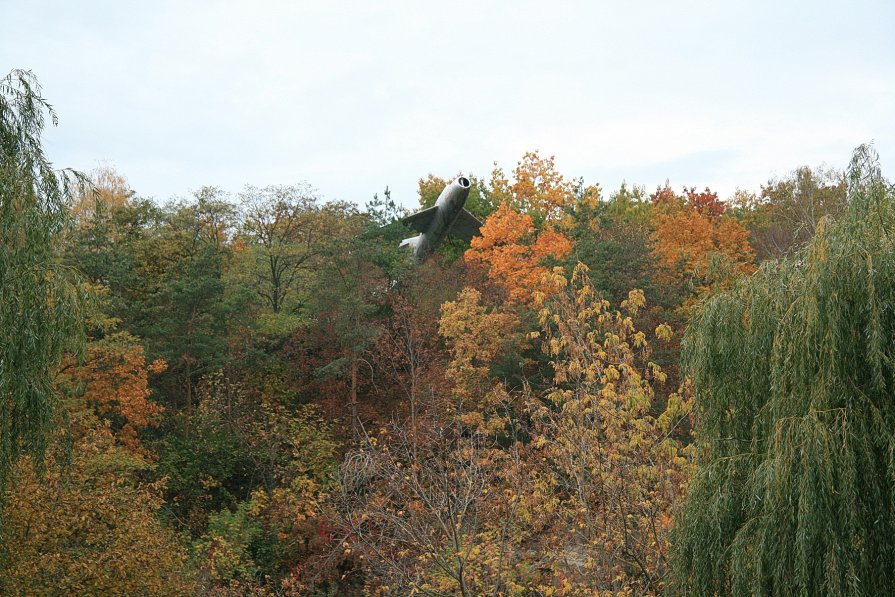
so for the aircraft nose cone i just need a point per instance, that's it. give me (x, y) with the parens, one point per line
(463, 182)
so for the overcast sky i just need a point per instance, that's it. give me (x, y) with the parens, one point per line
(354, 96)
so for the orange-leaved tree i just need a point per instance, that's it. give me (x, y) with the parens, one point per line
(520, 239)
(515, 253)
(114, 381)
(538, 188)
(695, 243)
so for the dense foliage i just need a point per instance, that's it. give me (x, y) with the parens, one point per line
(40, 319)
(261, 394)
(794, 371)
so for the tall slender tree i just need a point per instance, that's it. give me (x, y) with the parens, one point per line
(284, 225)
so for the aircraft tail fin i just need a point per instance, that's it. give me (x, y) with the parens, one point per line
(411, 242)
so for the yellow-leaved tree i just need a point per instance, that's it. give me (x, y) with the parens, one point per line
(613, 465)
(477, 337)
(91, 527)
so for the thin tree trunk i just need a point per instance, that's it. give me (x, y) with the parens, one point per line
(189, 397)
(353, 403)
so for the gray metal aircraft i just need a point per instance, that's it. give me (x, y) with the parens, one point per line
(447, 216)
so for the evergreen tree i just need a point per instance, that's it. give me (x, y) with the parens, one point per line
(794, 372)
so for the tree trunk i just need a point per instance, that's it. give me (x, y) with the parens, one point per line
(353, 403)
(189, 397)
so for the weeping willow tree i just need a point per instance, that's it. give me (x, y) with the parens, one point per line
(794, 371)
(39, 304)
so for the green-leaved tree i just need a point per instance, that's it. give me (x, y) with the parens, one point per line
(794, 373)
(39, 302)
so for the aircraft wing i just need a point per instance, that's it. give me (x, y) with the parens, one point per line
(465, 226)
(420, 220)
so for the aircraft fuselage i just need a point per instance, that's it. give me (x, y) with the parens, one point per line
(436, 222)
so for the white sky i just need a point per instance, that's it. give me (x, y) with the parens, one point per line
(354, 96)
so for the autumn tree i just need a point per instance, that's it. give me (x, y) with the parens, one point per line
(477, 338)
(514, 252)
(787, 211)
(91, 527)
(537, 188)
(40, 316)
(792, 370)
(705, 201)
(521, 238)
(695, 244)
(114, 381)
(615, 472)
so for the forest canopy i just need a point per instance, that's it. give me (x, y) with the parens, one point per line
(624, 393)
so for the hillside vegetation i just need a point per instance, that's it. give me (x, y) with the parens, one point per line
(622, 392)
